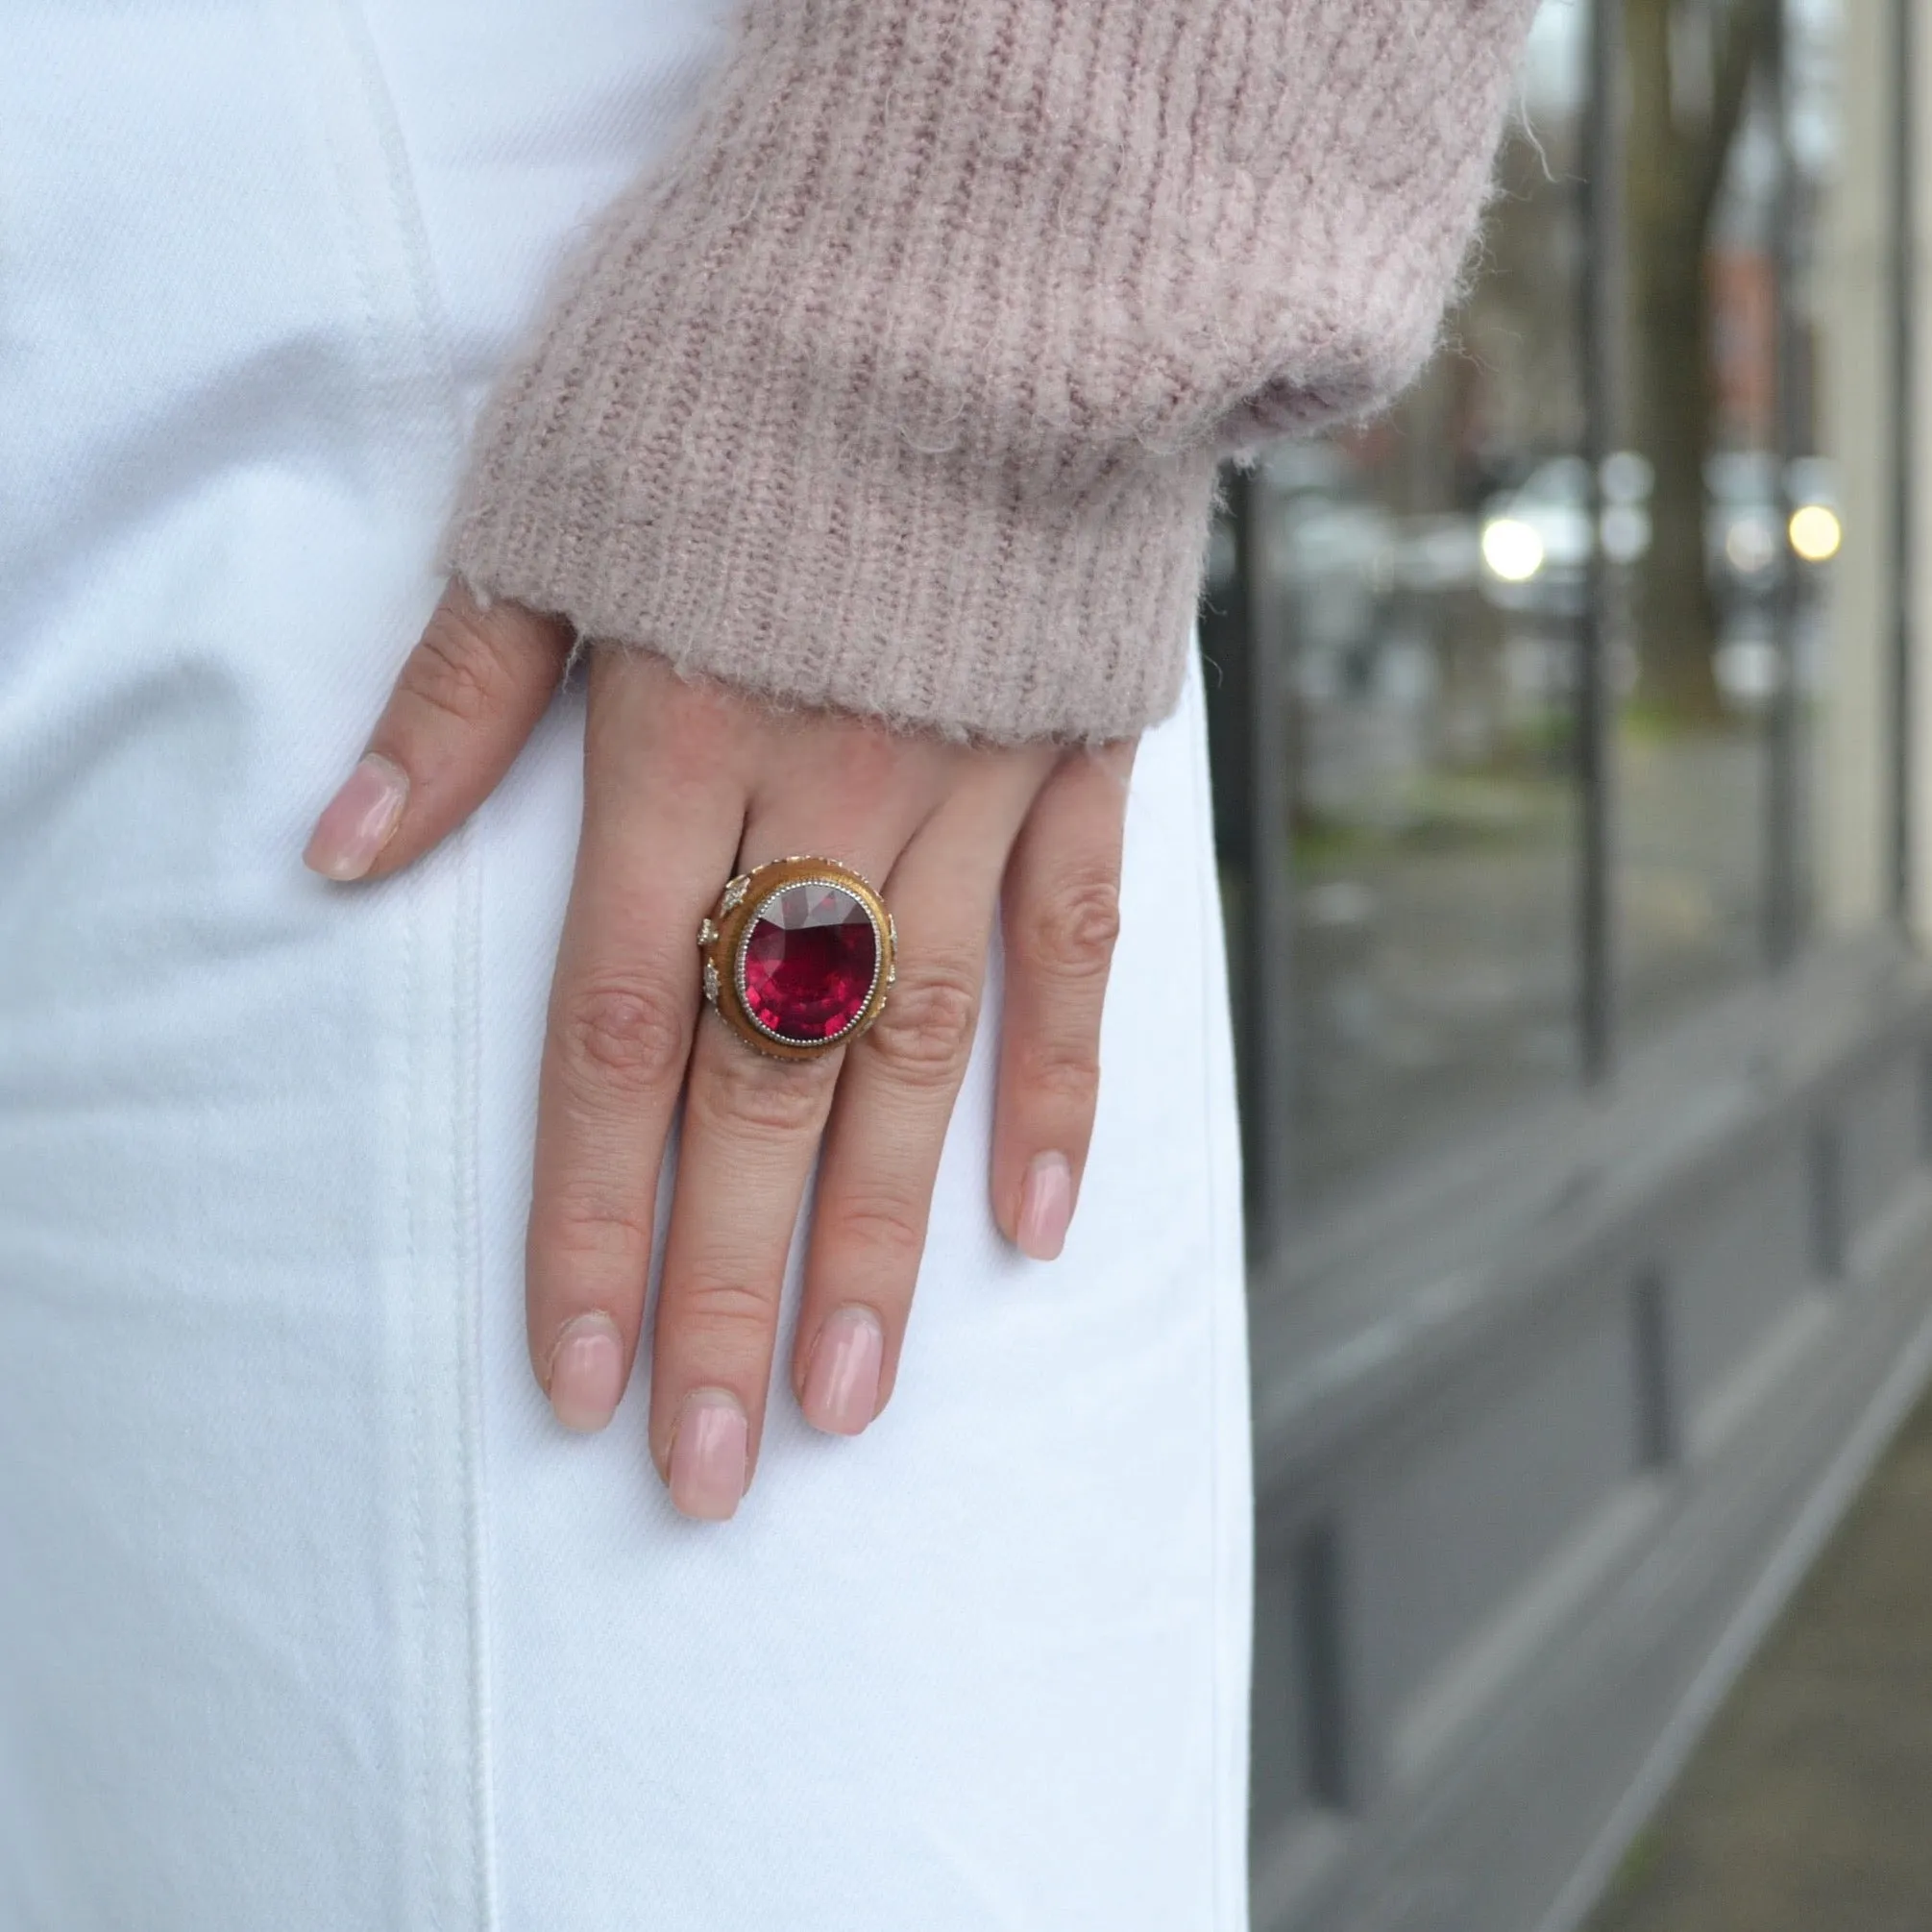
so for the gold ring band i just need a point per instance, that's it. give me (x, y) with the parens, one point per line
(798, 956)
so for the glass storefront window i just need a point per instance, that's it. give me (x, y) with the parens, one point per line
(1427, 581)
(1422, 947)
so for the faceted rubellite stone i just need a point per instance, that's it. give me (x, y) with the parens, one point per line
(810, 962)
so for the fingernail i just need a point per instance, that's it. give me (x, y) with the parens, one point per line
(587, 1373)
(359, 820)
(1045, 1207)
(708, 1456)
(842, 1386)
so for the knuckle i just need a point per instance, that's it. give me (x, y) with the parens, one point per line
(723, 1315)
(582, 1226)
(890, 1232)
(630, 1034)
(459, 669)
(749, 1092)
(1072, 933)
(925, 1031)
(1061, 1071)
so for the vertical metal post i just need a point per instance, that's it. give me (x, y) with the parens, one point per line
(1241, 638)
(1601, 332)
(1784, 721)
(1329, 1771)
(1904, 466)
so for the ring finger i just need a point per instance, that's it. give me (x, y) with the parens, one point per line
(895, 1100)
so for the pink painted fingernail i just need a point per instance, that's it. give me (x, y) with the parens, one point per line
(708, 1456)
(587, 1373)
(1045, 1207)
(359, 820)
(842, 1386)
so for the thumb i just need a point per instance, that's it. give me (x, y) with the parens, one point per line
(469, 696)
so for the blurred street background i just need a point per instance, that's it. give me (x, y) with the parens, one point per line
(1573, 747)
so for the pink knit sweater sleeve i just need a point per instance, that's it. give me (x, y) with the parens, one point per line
(900, 387)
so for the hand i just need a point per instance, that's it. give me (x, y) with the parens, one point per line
(685, 785)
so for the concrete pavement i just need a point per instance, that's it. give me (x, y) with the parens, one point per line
(1808, 1805)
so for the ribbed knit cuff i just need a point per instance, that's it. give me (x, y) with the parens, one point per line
(870, 577)
(900, 389)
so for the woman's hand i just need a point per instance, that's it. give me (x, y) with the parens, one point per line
(684, 786)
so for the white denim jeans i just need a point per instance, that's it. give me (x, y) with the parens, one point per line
(310, 1618)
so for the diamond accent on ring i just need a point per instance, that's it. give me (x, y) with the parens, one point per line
(734, 894)
(706, 933)
(711, 981)
(810, 963)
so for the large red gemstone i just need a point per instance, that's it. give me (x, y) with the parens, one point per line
(810, 962)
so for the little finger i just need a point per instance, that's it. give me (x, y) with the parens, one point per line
(1062, 913)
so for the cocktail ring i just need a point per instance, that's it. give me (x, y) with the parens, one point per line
(798, 957)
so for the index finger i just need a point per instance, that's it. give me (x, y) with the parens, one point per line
(663, 811)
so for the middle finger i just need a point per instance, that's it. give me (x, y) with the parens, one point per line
(750, 1134)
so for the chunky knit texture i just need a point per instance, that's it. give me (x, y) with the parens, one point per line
(900, 387)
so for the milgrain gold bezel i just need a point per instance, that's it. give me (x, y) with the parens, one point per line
(722, 940)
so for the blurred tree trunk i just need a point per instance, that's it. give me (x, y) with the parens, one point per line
(1676, 169)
